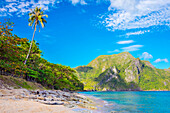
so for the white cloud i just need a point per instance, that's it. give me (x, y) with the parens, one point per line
(116, 50)
(24, 6)
(161, 60)
(129, 48)
(21, 7)
(3, 9)
(125, 42)
(146, 55)
(82, 2)
(132, 48)
(10, 0)
(132, 14)
(137, 32)
(121, 15)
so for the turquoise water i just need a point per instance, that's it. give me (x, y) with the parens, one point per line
(132, 102)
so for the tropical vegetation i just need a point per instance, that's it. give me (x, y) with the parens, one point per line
(13, 51)
(21, 58)
(123, 72)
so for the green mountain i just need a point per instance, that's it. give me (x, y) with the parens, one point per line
(122, 72)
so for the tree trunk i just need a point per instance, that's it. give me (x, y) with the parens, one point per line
(30, 45)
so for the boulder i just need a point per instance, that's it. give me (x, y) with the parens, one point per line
(54, 103)
(65, 94)
(70, 105)
(52, 92)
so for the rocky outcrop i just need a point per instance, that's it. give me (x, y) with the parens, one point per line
(108, 75)
(133, 71)
(129, 75)
(49, 97)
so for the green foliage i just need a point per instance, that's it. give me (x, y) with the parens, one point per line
(131, 74)
(84, 68)
(154, 79)
(22, 84)
(12, 52)
(9, 49)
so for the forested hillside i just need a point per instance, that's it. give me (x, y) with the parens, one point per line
(123, 72)
(13, 51)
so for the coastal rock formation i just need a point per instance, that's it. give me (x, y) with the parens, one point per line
(48, 97)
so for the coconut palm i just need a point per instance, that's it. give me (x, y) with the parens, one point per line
(35, 19)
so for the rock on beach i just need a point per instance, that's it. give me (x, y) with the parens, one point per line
(47, 97)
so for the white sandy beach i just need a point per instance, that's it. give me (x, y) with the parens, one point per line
(21, 101)
(8, 105)
(24, 106)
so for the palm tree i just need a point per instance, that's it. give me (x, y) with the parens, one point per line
(35, 18)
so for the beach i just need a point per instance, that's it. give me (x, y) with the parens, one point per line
(57, 101)
(25, 106)
(44, 101)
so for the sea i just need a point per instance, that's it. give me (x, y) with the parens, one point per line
(132, 101)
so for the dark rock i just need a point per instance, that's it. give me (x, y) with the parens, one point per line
(38, 92)
(47, 99)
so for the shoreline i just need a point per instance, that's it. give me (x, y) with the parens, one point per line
(101, 105)
(122, 90)
(32, 101)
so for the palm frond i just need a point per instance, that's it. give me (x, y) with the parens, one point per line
(45, 15)
(44, 20)
(35, 17)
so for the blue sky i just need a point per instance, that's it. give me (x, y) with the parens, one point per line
(77, 31)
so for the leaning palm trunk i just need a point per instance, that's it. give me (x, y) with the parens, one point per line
(30, 46)
(36, 18)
